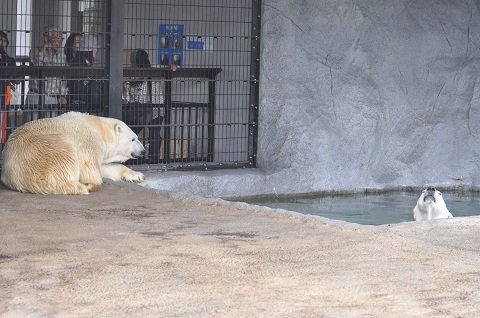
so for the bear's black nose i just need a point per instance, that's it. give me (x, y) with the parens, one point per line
(431, 189)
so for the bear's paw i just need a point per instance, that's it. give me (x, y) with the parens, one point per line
(133, 176)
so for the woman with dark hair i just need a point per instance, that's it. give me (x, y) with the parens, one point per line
(144, 96)
(71, 47)
(140, 58)
(86, 94)
(143, 90)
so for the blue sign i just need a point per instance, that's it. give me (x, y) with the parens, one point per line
(170, 44)
(196, 45)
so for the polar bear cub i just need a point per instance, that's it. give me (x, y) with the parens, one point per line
(430, 206)
(69, 154)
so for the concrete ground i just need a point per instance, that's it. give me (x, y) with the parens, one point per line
(130, 252)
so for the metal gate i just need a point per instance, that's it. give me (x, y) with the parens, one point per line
(183, 74)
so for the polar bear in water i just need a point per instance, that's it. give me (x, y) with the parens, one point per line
(430, 206)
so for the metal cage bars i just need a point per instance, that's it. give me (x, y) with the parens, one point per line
(209, 103)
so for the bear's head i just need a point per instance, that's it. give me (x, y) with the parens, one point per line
(126, 145)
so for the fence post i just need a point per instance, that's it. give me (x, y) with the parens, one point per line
(114, 56)
(254, 82)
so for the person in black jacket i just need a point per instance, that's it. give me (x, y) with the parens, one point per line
(5, 60)
(72, 45)
(86, 94)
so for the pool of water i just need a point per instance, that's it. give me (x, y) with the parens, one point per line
(370, 209)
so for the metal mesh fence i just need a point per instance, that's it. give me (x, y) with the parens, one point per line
(188, 83)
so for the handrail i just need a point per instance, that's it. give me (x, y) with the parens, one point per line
(16, 72)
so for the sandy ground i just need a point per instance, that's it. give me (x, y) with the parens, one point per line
(130, 252)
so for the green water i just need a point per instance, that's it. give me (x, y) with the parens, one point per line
(371, 209)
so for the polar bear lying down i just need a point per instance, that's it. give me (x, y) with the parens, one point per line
(69, 154)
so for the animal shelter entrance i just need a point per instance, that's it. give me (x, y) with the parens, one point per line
(184, 75)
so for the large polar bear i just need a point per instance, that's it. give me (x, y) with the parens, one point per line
(430, 206)
(69, 154)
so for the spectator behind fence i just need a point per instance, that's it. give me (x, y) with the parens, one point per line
(53, 90)
(143, 96)
(86, 94)
(72, 44)
(142, 90)
(71, 47)
(6, 86)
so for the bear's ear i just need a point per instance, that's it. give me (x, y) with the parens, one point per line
(118, 128)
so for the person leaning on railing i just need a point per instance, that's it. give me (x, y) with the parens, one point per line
(143, 97)
(86, 94)
(72, 44)
(142, 90)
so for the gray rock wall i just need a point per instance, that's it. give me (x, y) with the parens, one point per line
(368, 93)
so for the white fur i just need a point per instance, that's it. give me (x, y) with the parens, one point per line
(69, 154)
(430, 206)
